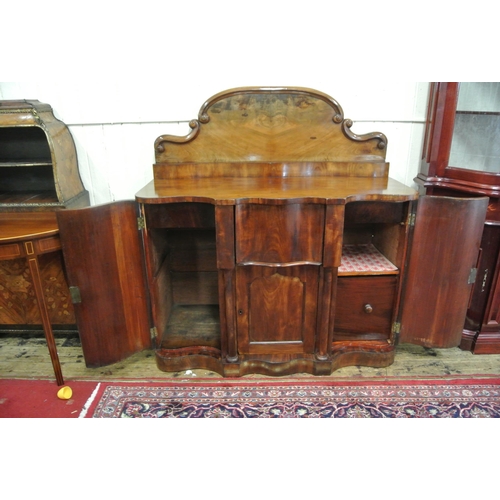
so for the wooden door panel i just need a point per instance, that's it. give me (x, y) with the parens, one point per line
(479, 314)
(444, 249)
(491, 320)
(103, 258)
(276, 309)
(279, 233)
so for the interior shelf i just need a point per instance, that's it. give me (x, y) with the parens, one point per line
(193, 325)
(364, 260)
(27, 198)
(26, 163)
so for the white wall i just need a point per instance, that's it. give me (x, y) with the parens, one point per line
(122, 73)
(115, 124)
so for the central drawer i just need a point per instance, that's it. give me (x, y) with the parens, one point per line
(279, 234)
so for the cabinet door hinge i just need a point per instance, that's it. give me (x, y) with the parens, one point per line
(472, 276)
(411, 219)
(141, 223)
(76, 297)
(154, 337)
(396, 327)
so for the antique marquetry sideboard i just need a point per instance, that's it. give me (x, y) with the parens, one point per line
(29, 236)
(38, 174)
(271, 240)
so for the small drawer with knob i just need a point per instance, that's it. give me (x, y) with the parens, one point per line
(365, 305)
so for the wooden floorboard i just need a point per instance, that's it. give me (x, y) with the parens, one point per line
(27, 357)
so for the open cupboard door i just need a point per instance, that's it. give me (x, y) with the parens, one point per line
(441, 269)
(104, 265)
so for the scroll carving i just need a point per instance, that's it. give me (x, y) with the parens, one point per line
(382, 139)
(195, 126)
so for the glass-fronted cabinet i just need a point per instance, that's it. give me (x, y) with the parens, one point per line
(461, 157)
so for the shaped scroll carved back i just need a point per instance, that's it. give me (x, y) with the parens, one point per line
(274, 124)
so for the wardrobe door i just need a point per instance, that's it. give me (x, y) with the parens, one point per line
(104, 265)
(440, 273)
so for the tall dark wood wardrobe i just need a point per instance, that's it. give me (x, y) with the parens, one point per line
(461, 157)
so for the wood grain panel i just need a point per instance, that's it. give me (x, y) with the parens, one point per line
(18, 303)
(365, 305)
(279, 234)
(103, 255)
(12, 251)
(444, 249)
(180, 215)
(48, 244)
(251, 124)
(195, 288)
(276, 309)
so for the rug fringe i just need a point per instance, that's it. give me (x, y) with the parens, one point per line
(86, 406)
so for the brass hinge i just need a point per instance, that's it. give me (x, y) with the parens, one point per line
(154, 337)
(76, 297)
(411, 219)
(472, 276)
(141, 223)
(154, 332)
(396, 327)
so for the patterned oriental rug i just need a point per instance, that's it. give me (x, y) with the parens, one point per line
(478, 398)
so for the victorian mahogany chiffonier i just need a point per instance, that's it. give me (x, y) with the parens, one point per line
(271, 240)
(462, 158)
(38, 176)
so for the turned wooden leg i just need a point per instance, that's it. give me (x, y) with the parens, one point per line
(42, 305)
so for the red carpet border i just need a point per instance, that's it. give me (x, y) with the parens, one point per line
(38, 399)
(256, 398)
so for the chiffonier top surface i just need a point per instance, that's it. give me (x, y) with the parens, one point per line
(254, 145)
(230, 191)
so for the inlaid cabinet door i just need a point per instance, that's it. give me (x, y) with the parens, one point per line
(276, 309)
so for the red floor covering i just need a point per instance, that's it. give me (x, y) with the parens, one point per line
(38, 399)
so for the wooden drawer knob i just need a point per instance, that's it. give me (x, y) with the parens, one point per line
(368, 308)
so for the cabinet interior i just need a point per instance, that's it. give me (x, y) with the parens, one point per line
(185, 279)
(369, 276)
(379, 226)
(184, 276)
(26, 169)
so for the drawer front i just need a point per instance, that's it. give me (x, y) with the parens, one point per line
(365, 305)
(11, 251)
(279, 234)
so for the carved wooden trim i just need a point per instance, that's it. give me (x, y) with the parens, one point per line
(194, 124)
(382, 139)
(203, 116)
(264, 125)
(203, 113)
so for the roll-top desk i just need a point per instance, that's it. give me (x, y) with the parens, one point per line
(274, 242)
